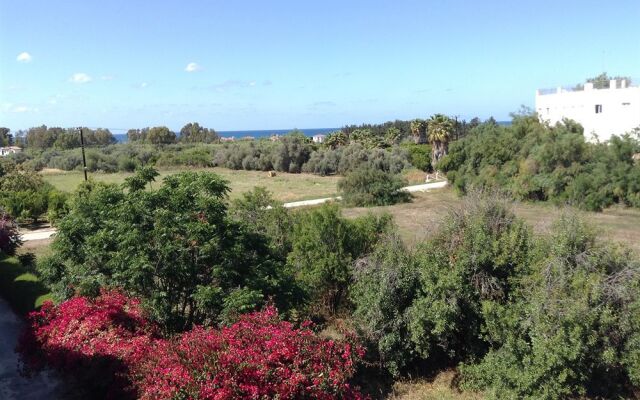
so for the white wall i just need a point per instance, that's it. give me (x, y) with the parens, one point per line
(620, 109)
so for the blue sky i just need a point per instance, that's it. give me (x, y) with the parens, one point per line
(284, 64)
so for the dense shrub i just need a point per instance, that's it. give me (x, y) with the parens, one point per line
(94, 341)
(9, 235)
(533, 161)
(419, 156)
(384, 286)
(344, 159)
(108, 344)
(324, 246)
(175, 247)
(369, 186)
(573, 331)
(476, 258)
(288, 154)
(266, 216)
(25, 194)
(430, 304)
(257, 357)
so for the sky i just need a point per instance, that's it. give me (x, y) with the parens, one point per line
(244, 65)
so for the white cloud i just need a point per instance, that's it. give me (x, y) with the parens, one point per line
(144, 85)
(80, 77)
(192, 67)
(106, 77)
(20, 109)
(24, 57)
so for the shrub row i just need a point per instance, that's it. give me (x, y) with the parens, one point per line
(532, 161)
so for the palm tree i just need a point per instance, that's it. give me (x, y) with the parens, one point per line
(419, 130)
(336, 139)
(440, 130)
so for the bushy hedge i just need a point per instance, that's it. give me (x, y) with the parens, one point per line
(341, 160)
(324, 246)
(475, 258)
(532, 161)
(123, 157)
(572, 327)
(26, 196)
(368, 186)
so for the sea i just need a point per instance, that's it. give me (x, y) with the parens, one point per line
(259, 134)
(256, 134)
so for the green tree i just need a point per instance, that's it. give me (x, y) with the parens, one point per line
(175, 247)
(6, 139)
(160, 135)
(336, 139)
(385, 285)
(440, 131)
(324, 246)
(266, 216)
(24, 194)
(419, 130)
(603, 80)
(572, 329)
(194, 133)
(476, 258)
(370, 186)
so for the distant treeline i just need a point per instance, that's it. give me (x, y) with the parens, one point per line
(43, 137)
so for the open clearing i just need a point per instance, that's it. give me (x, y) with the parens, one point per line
(418, 219)
(285, 187)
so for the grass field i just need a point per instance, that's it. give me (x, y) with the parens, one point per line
(21, 288)
(416, 220)
(285, 187)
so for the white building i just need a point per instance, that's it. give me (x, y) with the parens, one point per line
(319, 138)
(4, 151)
(603, 112)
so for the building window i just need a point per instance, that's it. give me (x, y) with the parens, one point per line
(598, 108)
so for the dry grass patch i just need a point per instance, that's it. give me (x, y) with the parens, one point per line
(418, 219)
(285, 187)
(442, 387)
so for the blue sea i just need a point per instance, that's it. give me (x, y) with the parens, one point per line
(122, 137)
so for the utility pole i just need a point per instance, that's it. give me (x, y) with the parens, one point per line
(84, 160)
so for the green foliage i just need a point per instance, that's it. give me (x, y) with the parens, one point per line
(441, 129)
(419, 130)
(6, 138)
(288, 154)
(324, 246)
(266, 216)
(572, 330)
(368, 186)
(194, 133)
(161, 135)
(24, 194)
(44, 137)
(477, 256)
(385, 285)
(420, 156)
(344, 159)
(175, 247)
(532, 161)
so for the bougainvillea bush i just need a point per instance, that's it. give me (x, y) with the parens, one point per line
(108, 343)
